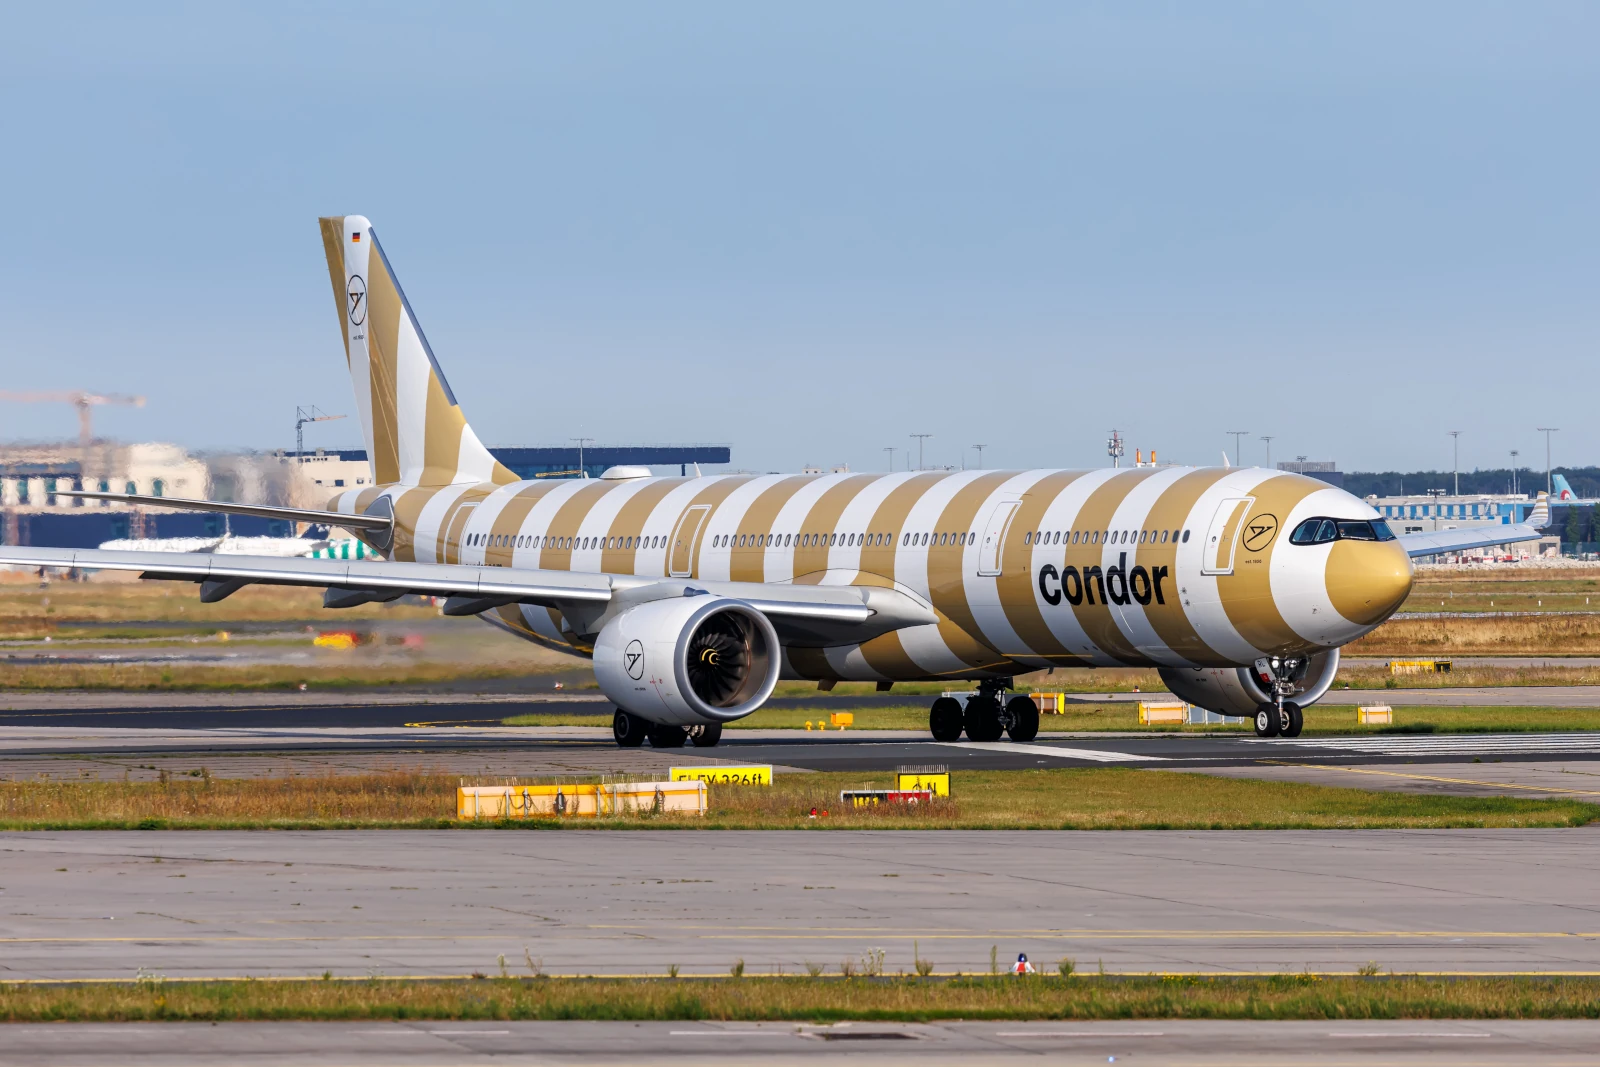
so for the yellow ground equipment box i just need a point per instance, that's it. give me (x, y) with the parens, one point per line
(336, 639)
(609, 798)
(725, 774)
(1375, 714)
(1162, 712)
(1419, 666)
(842, 719)
(1050, 703)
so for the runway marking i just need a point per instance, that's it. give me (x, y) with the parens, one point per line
(1097, 755)
(731, 1033)
(1411, 1033)
(1081, 1033)
(1433, 778)
(1435, 744)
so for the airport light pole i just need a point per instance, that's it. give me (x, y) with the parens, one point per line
(1238, 435)
(1455, 446)
(1547, 431)
(1514, 455)
(980, 449)
(1268, 440)
(581, 440)
(921, 437)
(891, 450)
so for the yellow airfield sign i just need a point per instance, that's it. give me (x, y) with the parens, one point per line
(724, 774)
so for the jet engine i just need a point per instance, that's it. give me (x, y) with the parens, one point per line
(1238, 691)
(688, 661)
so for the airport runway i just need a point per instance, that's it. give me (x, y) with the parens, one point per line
(1161, 1042)
(85, 905)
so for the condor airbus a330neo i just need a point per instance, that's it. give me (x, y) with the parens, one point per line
(694, 596)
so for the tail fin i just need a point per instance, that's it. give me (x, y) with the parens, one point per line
(1563, 491)
(1539, 516)
(415, 431)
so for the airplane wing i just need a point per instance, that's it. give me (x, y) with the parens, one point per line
(804, 614)
(1432, 544)
(375, 523)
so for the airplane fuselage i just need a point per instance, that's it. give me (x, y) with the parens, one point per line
(1150, 566)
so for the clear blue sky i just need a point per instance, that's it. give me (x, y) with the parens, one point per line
(814, 229)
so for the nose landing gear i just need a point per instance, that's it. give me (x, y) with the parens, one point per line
(985, 718)
(1280, 676)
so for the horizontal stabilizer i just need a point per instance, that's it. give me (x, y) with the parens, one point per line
(331, 518)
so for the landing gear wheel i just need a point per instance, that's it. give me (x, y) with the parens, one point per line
(705, 736)
(1024, 716)
(982, 719)
(667, 736)
(1268, 721)
(629, 730)
(944, 719)
(1292, 720)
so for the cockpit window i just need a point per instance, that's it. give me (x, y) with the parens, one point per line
(1319, 531)
(1356, 531)
(1314, 532)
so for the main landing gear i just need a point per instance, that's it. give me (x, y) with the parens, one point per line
(631, 731)
(1280, 676)
(985, 718)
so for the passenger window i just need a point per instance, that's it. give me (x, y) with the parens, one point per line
(1027, 538)
(1163, 537)
(1186, 537)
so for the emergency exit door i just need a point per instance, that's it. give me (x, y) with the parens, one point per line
(1223, 535)
(680, 557)
(991, 552)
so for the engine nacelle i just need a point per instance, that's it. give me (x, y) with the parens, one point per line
(688, 661)
(1237, 691)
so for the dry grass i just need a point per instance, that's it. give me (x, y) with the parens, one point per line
(817, 1000)
(1498, 636)
(35, 675)
(26, 610)
(1087, 799)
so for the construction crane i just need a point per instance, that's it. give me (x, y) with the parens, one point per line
(303, 416)
(81, 400)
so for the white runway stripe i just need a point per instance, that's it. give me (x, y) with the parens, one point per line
(1434, 744)
(1095, 754)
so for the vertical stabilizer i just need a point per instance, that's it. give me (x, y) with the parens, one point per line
(1563, 491)
(416, 433)
(1539, 516)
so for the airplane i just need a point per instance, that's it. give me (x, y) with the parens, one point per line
(693, 596)
(1562, 492)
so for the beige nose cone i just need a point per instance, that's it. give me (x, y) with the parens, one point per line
(1368, 580)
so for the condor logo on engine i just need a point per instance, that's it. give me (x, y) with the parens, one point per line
(633, 659)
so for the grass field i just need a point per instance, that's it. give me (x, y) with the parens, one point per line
(805, 999)
(1086, 799)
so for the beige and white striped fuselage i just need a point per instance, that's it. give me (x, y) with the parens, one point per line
(1152, 566)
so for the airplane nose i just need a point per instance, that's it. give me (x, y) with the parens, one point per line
(1368, 580)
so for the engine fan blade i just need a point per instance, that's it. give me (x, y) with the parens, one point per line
(719, 660)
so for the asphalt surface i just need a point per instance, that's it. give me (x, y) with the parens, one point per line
(80, 905)
(1161, 1042)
